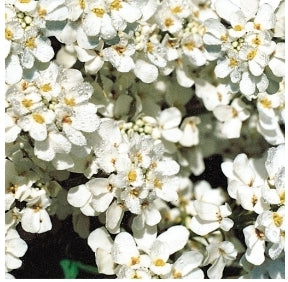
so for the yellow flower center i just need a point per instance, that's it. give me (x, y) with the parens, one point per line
(157, 183)
(159, 262)
(238, 27)
(30, 43)
(38, 118)
(46, 87)
(266, 103)
(256, 40)
(189, 45)
(27, 103)
(116, 5)
(98, 12)
(176, 10)
(41, 12)
(224, 38)
(149, 47)
(278, 219)
(251, 55)
(135, 260)
(8, 34)
(176, 274)
(233, 62)
(82, 4)
(69, 102)
(168, 22)
(132, 175)
(24, 1)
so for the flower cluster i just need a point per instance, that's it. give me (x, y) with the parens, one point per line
(114, 110)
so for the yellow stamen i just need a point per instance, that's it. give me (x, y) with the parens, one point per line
(238, 27)
(116, 5)
(24, 1)
(38, 118)
(149, 47)
(157, 183)
(256, 40)
(82, 4)
(168, 22)
(132, 175)
(176, 10)
(8, 34)
(224, 38)
(176, 274)
(98, 12)
(266, 103)
(70, 102)
(251, 55)
(189, 45)
(41, 12)
(30, 43)
(27, 103)
(278, 219)
(46, 87)
(233, 62)
(159, 262)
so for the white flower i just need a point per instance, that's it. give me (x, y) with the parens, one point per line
(219, 254)
(209, 217)
(190, 130)
(15, 185)
(274, 224)
(101, 243)
(255, 242)
(242, 174)
(97, 21)
(119, 56)
(244, 48)
(186, 266)
(169, 120)
(35, 218)
(213, 96)
(231, 118)
(15, 247)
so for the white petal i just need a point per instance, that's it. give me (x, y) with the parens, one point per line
(62, 162)
(100, 238)
(129, 13)
(124, 248)
(145, 71)
(75, 136)
(202, 227)
(78, 196)
(43, 150)
(247, 85)
(13, 71)
(176, 238)
(43, 51)
(169, 167)
(243, 170)
(170, 118)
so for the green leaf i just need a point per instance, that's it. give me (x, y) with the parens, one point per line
(70, 268)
